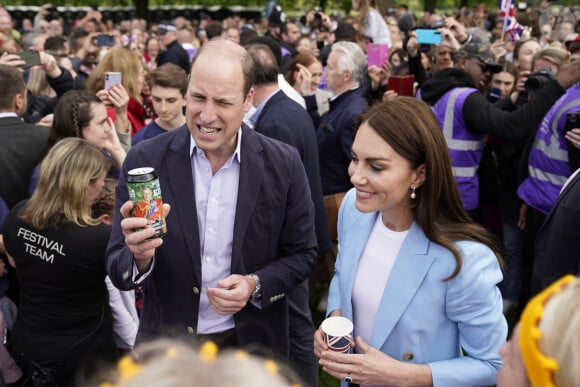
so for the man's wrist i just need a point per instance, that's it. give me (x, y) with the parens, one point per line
(257, 292)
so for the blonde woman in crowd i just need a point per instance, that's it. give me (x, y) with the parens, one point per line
(64, 323)
(124, 101)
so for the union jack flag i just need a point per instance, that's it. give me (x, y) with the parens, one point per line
(511, 27)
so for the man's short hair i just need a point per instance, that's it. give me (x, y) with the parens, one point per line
(353, 59)
(169, 75)
(213, 29)
(12, 84)
(265, 65)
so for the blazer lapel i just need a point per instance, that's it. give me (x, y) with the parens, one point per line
(251, 176)
(411, 266)
(360, 226)
(271, 102)
(179, 173)
(561, 197)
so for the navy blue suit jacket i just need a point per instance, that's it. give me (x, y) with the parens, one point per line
(335, 134)
(273, 237)
(556, 249)
(283, 119)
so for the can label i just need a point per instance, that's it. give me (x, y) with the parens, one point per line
(145, 193)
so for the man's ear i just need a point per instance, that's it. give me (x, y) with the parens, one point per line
(348, 75)
(18, 102)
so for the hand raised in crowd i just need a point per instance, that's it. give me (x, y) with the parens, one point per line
(389, 95)
(12, 60)
(113, 144)
(520, 85)
(413, 45)
(304, 80)
(231, 294)
(498, 50)
(138, 237)
(89, 46)
(448, 38)
(50, 65)
(457, 29)
(574, 137)
(379, 75)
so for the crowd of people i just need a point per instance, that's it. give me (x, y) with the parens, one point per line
(441, 183)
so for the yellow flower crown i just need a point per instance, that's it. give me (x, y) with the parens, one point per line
(127, 367)
(540, 368)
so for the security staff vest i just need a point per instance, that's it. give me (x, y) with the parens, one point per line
(465, 147)
(548, 164)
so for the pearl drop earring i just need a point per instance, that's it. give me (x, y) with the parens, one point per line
(413, 194)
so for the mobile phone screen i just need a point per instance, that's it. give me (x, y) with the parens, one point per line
(426, 36)
(32, 58)
(378, 54)
(105, 40)
(572, 121)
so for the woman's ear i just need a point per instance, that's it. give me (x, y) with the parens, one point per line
(420, 175)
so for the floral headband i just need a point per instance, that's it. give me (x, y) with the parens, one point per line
(540, 368)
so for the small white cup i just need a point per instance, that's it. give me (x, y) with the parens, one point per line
(337, 332)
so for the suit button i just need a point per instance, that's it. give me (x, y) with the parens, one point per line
(195, 290)
(408, 356)
(190, 330)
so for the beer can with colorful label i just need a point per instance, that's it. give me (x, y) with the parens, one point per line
(145, 193)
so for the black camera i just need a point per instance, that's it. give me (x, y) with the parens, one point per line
(436, 24)
(538, 79)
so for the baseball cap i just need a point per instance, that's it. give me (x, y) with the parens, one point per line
(571, 38)
(165, 27)
(482, 53)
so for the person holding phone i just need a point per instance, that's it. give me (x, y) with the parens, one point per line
(39, 107)
(124, 100)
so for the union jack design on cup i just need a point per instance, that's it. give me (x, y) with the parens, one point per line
(338, 343)
(337, 333)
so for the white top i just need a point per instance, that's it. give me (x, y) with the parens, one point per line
(290, 91)
(376, 28)
(125, 317)
(373, 272)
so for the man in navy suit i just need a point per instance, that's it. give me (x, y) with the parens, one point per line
(22, 144)
(556, 250)
(345, 69)
(240, 233)
(279, 117)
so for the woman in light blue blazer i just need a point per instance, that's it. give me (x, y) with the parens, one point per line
(414, 274)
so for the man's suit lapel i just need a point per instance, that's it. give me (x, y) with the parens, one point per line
(411, 266)
(271, 102)
(178, 170)
(561, 197)
(251, 180)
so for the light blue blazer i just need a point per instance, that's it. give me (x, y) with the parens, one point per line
(419, 313)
